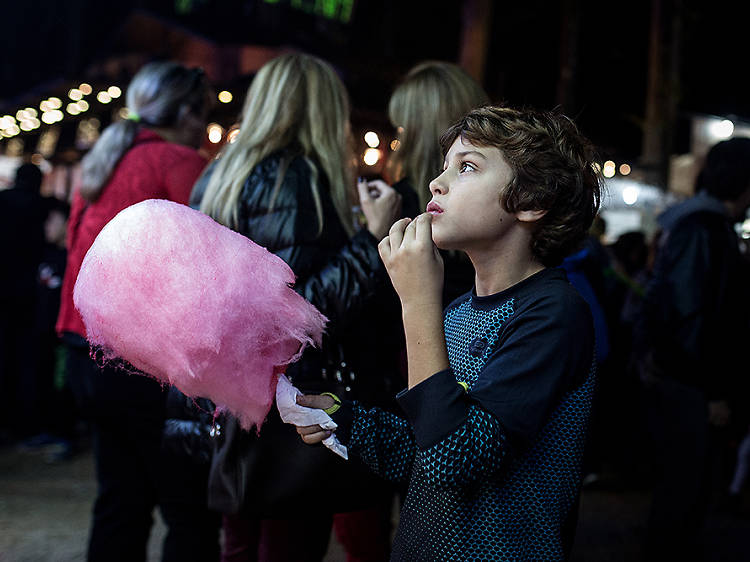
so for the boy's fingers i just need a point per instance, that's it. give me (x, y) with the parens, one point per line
(314, 401)
(313, 438)
(424, 228)
(396, 233)
(410, 232)
(384, 248)
(308, 429)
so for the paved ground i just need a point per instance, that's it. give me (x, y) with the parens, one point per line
(44, 516)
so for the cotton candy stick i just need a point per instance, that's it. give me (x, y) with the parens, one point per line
(196, 305)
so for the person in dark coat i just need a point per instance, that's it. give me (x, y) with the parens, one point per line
(22, 214)
(690, 338)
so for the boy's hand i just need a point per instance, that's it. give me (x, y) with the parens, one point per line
(413, 262)
(312, 434)
(416, 270)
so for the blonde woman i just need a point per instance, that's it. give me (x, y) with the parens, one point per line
(286, 184)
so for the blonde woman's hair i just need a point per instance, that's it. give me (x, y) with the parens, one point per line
(159, 95)
(295, 100)
(429, 99)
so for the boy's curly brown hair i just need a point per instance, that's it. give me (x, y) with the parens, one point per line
(553, 170)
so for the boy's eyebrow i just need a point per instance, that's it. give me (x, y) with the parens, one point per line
(463, 154)
(467, 152)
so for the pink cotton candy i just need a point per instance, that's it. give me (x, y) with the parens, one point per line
(194, 304)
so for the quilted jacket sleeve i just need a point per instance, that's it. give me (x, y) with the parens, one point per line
(334, 272)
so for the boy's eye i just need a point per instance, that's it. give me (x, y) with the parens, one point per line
(466, 167)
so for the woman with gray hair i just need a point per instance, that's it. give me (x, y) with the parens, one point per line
(151, 154)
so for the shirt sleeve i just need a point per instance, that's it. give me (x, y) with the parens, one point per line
(458, 441)
(382, 440)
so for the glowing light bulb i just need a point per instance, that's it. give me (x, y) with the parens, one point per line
(630, 194)
(371, 156)
(372, 139)
(215, 133)
(721, 129)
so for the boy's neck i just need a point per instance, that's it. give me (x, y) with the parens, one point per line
(497, 271)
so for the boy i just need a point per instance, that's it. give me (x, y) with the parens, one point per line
(500, 387)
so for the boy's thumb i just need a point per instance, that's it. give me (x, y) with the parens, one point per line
(314, 401)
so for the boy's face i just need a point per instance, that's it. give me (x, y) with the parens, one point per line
(466, 210)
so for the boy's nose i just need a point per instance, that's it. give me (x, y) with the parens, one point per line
(439, 186)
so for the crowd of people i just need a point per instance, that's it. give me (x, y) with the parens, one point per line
(488, 353)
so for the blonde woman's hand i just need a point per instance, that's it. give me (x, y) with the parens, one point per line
(381, 205)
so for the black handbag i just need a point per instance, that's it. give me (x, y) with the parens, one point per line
(273, 474)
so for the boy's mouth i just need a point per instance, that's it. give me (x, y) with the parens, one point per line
(434, 208)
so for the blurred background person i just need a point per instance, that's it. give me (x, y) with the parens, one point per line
(286, 182)
(151, 154)
(690, 338)
(50, 407)
(22, 214)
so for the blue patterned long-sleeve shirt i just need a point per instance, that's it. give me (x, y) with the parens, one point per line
(491, 447)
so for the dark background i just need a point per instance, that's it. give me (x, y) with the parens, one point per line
(46, 43)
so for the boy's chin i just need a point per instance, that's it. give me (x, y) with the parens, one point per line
(441, 244)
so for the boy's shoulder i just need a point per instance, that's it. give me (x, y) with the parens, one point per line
(548, 288)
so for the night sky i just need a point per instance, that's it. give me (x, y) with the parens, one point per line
(55, 41)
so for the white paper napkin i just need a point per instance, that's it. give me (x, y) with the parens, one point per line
(291, 412)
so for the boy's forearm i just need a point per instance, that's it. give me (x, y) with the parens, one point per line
(425, 341)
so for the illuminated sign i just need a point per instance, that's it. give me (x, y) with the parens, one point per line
(340, 10)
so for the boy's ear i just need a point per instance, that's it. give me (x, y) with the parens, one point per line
(530, 216)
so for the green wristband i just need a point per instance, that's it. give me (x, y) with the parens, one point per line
(336, 403)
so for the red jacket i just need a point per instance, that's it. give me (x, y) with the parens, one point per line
(151, 169)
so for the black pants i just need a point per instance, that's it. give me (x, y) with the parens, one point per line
(126, 412)
(192, 532)
(192, 529)
(686, 452)
(127, 421)
(16, 349)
